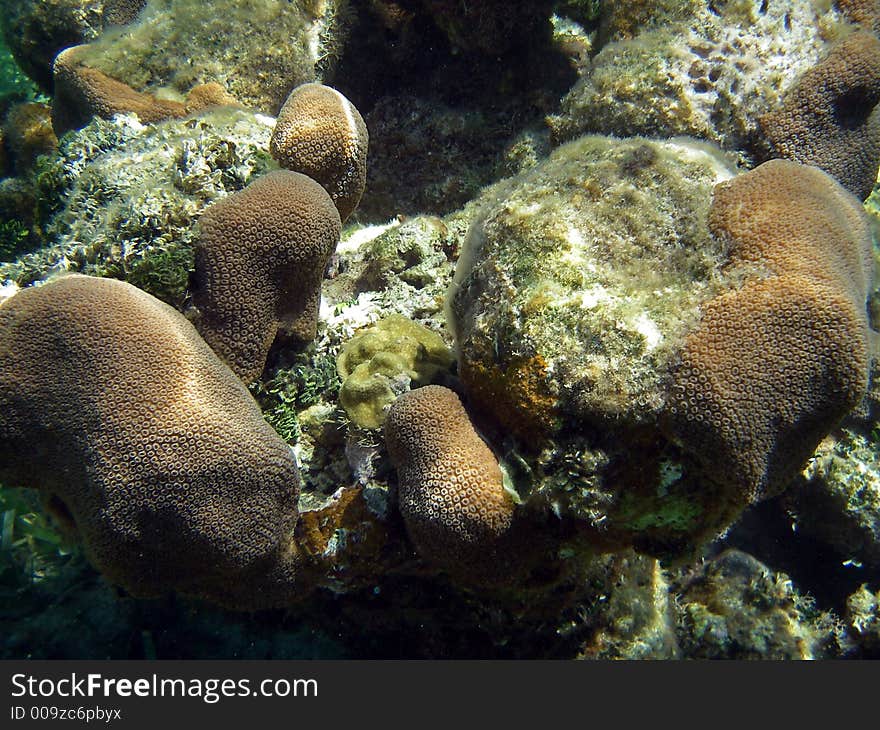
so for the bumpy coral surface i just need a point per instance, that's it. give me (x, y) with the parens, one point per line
(82, 93)
(260, 259)
(99, 214)
(579, 279)
(710, 74)
(452, 498)
(864, 12)
(144, 444)
(122, 12)
(831, 118)
(320, 134)
(775, 364)
(174, 44)
(382, 361)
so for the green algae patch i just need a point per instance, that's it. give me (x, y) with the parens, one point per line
(382, 361)
(670, 513)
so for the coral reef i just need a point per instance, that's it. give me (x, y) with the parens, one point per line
(98, 214)
(451, 494)
(831, 117)
(734, 607)
(710, 75)
(383, 361)
(319, 133)
(775, 364)
(27, 134)
(602, 374)
(159, 460)
(82, 93)
(173, 45)
(260, 259)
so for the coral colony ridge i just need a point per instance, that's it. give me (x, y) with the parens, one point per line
(423, 328)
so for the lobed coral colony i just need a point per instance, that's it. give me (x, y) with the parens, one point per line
(655, 314)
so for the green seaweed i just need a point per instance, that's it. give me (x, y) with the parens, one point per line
(31, 549)
(293, 389)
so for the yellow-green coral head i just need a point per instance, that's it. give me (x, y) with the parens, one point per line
(381, 362)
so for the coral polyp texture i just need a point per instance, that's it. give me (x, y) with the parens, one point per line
(451, 493)
(260, 259)
(775, 364)
(320, 134)
(862, 12)
(144, 444)
(382, 361)
(82, 93)
(831, 118)
(122, 12)
(173, 45)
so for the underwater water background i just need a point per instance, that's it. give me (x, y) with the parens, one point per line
(547, 331)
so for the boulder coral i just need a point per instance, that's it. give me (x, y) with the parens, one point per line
(174, 45)
(862, 12)
(27, 134)
(831, 117)
(82, 93)
(451, 493)
(705, 69)
(260, 259)
(144, 444)
(775, 364)
(320, 134)
(386, 357)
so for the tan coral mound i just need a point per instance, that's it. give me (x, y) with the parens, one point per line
(862, 12)
(260, 259)
(82, 93)
(145, 444)
(320, 134)
(831, 117)
(452, 499)
(122, 12)
(774, 365)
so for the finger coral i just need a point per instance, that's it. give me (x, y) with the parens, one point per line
(774, 365)
(260, 259)
(452, 498)
(320, 134)
(144, 444)
(831, 118)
